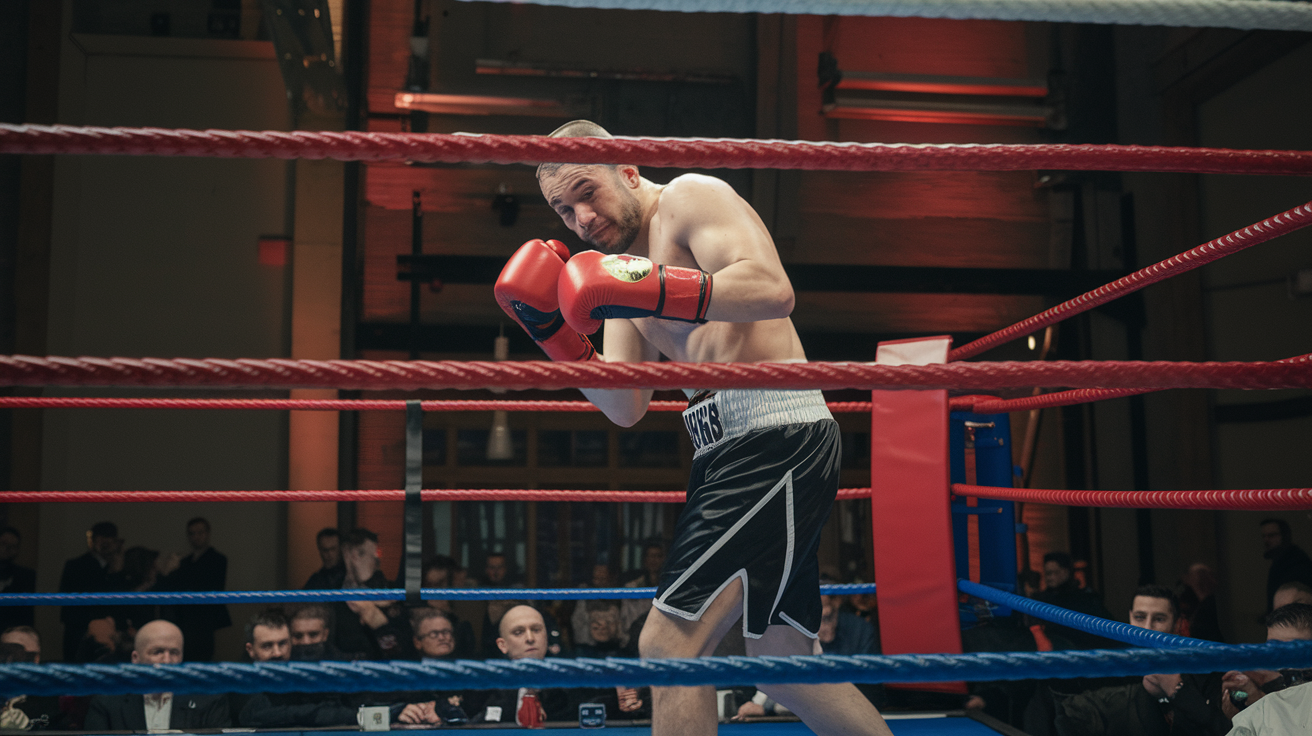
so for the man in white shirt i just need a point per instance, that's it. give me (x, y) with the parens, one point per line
(1279, 703)
(158, 642)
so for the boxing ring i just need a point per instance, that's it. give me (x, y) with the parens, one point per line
(917, 478)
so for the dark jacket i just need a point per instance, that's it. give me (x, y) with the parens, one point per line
(392, 640)
(1130, 710)
(206, 573)
(1289, 564)
(1069, 596)
(327, 578)
(282, 710)
(128, 712)
(15, 579)
(85, 574)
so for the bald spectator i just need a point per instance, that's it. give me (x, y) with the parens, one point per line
(14, 579)
(1289, 564)
(1292, 593)
(158, 642)
(523, 635)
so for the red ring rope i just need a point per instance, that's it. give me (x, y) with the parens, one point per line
(994, 405)
(1267, 499)
(662, 152)
(1277, 225)
(844, 494)
(55, 402)
(21, 370)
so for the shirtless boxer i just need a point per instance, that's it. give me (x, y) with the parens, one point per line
(688, 270)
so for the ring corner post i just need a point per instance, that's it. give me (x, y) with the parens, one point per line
(910, 514)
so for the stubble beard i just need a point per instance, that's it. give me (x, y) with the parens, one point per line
(626, 226)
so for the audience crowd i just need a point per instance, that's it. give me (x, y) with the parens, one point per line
(1187, 704)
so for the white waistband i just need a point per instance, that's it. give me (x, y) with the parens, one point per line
(733, 413)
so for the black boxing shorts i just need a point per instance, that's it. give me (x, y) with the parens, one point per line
(764, 476)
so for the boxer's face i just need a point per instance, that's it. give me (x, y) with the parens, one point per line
(597, 203)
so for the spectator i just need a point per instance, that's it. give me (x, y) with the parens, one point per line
(1276, 703)
(205, 569)
(636, 609)
(27, 712)
(1198, 612)
(25, 637)
(1154, 704)
(605, 630)
(311, 629)
(841, 632)
(1060, 589)
(365, 627)
(158, 642)
(601, 578)
(438, 573)
(1289, 564)
(99, 570)
(435, 639)
(14, 579)
(140, 574)
(333, 573)
(523, 635)
(1291, 593)
(268, 639)
(496, 571)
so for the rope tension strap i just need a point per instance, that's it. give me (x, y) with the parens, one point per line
(65, 679)
(1242, 14)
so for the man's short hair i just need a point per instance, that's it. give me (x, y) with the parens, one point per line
(311, 611)
(1158, 591)
(326, 532)
(1062, 559)
(105, 529)
(1295, 586)
(28, 630)
(10, 530)
(270, 618)
(199, 520)
(439, 562)
(1296, 616)
(420, 615)
(357, 537)
(574, 129)
(1286, 535)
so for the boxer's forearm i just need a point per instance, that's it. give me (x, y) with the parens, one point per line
(622, 406)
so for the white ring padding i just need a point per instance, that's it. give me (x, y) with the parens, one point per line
(1272, 15)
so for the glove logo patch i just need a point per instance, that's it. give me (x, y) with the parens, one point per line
(630, 269)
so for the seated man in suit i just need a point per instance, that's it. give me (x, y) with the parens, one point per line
(157, 642)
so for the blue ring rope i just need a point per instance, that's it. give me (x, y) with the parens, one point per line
(1084, 622)
(65, 679)
(354, 594)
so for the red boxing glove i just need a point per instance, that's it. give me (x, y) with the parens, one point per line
(595, 287)
(526, 290)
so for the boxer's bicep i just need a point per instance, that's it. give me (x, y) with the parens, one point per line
(729, 241)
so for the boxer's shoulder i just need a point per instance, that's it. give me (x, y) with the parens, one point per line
(690, 194)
